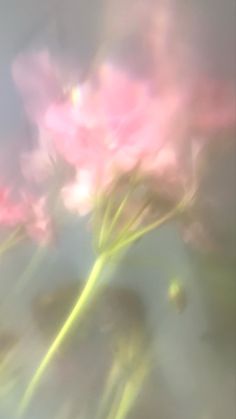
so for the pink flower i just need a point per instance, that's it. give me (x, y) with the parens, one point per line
(12, 213)
(122, 98)
(27, 212)
(113, 129)
(36, 165)
(39, 223)
(78, 195)
(81, 146)
(79, 135)
(37, 79)
(105, 130)
(140, 124)
(215, 107)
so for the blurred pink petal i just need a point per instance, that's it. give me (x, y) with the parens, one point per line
(123, 100)
(75, 142)
(36, 165)
(37, 80)
(12, 213)
(78, 196)
(121, 95)
(103, 130)
(39, 223)
(216, 107)
(114, 129)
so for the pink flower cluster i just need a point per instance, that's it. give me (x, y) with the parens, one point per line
(27, 212)
(11, 213)
(104, 130)
(215, 107)
(113, 125)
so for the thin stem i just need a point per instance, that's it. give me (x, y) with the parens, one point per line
(106, 231)
(109, 390)
(104, 223)
(130, 391)
(81, 304)
(137, 235)
(11, 240)
(116, 217)
(118, 214)
(116, 400)
(132, 222)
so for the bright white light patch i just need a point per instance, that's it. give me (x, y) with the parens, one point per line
(76, 96)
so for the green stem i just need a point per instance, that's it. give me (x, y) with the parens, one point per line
(78, 309)
(130, 392)
(107, 230)
(137, 235)
(111, 383)
(11, 241)
(117, 215)
(104, 224)
(132, 222)
(115, 403)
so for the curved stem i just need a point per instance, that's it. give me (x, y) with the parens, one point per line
(78, 309)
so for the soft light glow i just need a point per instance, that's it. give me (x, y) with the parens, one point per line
(76, 95)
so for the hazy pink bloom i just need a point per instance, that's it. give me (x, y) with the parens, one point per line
(77, 143)
(36, 165)
(101, 130)
(12, 213)
(114, 129)
(39, 223)
(64, 131)
(27, 212)
(85, 105)
(78, 195)
(121, 96)
(165, 162)
(79, 134)
(198, 237)
(140, 124)
(124, 103)
(37, 80)
(215, 107)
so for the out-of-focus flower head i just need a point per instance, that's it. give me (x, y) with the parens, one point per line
(144, 128)
(111, 127)
(103, 129)
(78, 195)
(12, 213)
(28, 212)
(215, 107)
(38, 224)
(38, 82)
(37, 165)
